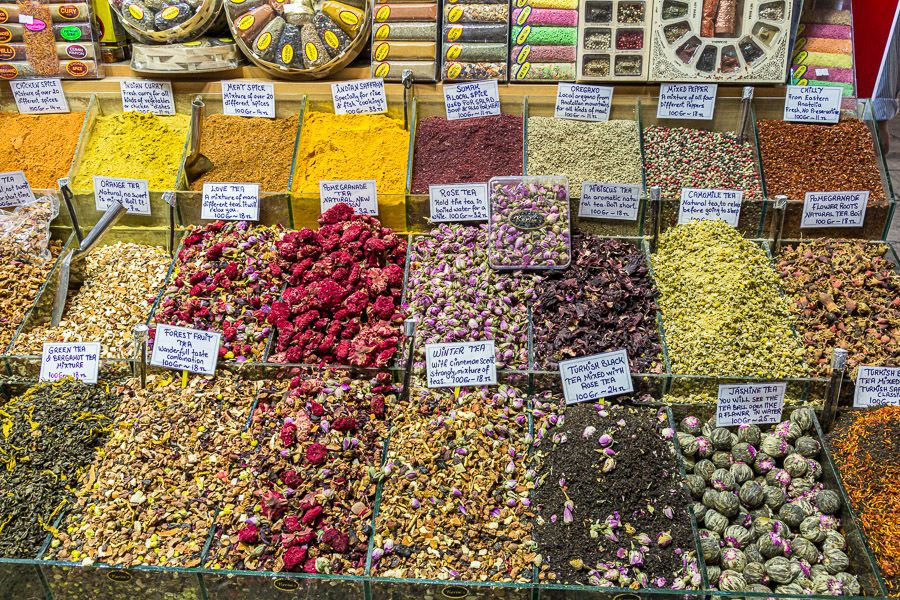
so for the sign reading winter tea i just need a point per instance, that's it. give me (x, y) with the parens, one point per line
(39, 96)
(708, 205)
(610, 201)
(472, 99)
(133, 194)
(361, 195)
(583, 102)
(596, 376)
(230, 201)
(834, 209)
(248, 99)
(186, 349)
(750, 404)
(147, 96)
(877, 386)
(686, 101)
(459, 202)
(79, 360)
(461, 364)
(813, 104)
(14, 189)
(363, 96)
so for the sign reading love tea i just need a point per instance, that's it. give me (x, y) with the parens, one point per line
(186, 349)
(750, 404)
(230, 201)
(596, 376)
(461, 364)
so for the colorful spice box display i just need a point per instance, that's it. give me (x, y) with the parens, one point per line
(823, 52)
(613, 40)
(42, 146)
(545, 37)
(475, 37)
(865, 454)
(405, 36)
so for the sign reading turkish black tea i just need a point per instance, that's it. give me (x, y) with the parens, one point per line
(709, 205)
(79, 360)
(14, 189)
(248, 99)
(472, 99)
(596, 376)
(39, 96)
(186, 349)
(363, 96)
(877, 386)
(361, 195)
(461, 364)
(230, 201)
(610, 201)
(147, 96)
(750, 404)
(834, 209)
(458, 202)
(583, 102)
(686, 101)
(133, 194)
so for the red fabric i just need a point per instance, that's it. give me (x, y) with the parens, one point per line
(872, 22)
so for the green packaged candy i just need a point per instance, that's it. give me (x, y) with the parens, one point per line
(333, 36)
(172, 16)
(289, 52)
(315, 54)
(267, 41)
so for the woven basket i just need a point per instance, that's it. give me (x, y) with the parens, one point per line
(190, 30)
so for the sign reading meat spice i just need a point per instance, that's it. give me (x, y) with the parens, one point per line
(39, 95)
(460, 364)
(597, 376)
(248, 99)
(877, 386)
(750, 404)
(14, 189)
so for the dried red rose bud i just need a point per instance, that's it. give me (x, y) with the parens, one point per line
(248, 535)
(287, 434)
(316, 453)
(344, 424)
(310, 516)
(294, 558)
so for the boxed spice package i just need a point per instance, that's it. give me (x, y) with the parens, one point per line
(545, 39)
(405, 36)
(721, 40)
(476, 39)
(614, 40)
(42, 39)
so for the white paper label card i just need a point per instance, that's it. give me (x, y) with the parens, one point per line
(877, 386)
(813, 104)
(78, 360)
(686, 101)
(362, 96)
(459, 202)
(596, 376)
(147, 96)
(248, 99)
(472, 99)
(461, 364)
(14, 189)
(230, 201)
(583, 102)
(708, 205)
(186, 349)
(821, 72)
(750, 404)
(133, 194)
(39, 96)
(834, 209)
(361, 195)
(619, 201)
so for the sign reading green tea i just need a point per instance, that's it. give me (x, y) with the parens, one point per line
(185, 349)
(39, 96)
(362, 96)
(610, 201)
(877, 386)
(458, 202)
(686, 101)
(248, 99)
(472, 99)
(596, 376)
(145, 96)
(14, 189)
(813, 104)
(834, 209)
(133, 194)
(460, 364)
(78, 360)
(583, 102)
(230, 201)
(750, 404)
(361, 195)
(708, 205)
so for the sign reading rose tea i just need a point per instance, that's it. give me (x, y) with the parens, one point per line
(877, 386)
(461, 364)
(596, 376)
(458, 202)
(750, 404)
(79, 360)
(186, 349)
(14, 189)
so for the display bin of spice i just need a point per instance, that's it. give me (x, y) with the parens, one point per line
(823, 52)
(793, 156)
(785, 493)
(861, 451)
(694, 153)
(42, 145)
(721, 40)
(696, 389)
(545, 40)
(356, 147)
(462, 151)
(598, 152)
(614, 40)
(475, 37)
(405, 36)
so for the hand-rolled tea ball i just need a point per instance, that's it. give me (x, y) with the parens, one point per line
(709, 426)
(711, 550)
(828, 502)
(689, 462)
(691, 425)
(791, 588)
(731, 581)
(774, 497)
(795, 465)
(742, 517)
(754, 572)
(813, 468)
(851, 583)
(715, 521)
(751, 494)
(712, 573)
(789, 431)
(722, 480)
(699, 510)
(687, 443)
(763, 512)
(749, 433)
(830, 522)
(811, 528)
(758, 588)
(791, 514)
(751, 551)
(778, 477)
(712, 535)
(721, 438)
(736, 536)
(804, 549)
(704, 468)
(705, 449)
(763, 463)
(834, 539)
(695, 485)
(778, 569)
(827, 585)
(744, 452)
(801, 580)
(722, 460)
(727, 503)
(808, 447)
(741, 472)
(804, 418)
(817, 570)
(835, 561)
(709, 498)
(733, 559)
(782, 529)
(800, 486)
(774, 446)
(770, 545)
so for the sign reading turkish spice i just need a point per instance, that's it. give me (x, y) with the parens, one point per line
(79, 360)
(813, 104)
(610, 201)
(461, 364)
(147, 96)
(583, 102)
(186, 349)
(596, 376)
(708, 205)
(834, 209)
(248, 99)
(14, 189)
(39, 96)
(363, 96)
(230, 201)
(686, 101)
(472, 99)
(458, 202)
(361, 195)
(877, 386)
(750, 404)
(133, 194)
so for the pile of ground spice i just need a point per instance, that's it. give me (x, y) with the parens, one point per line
(249, 150)
(864, 450)
(42, 146)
